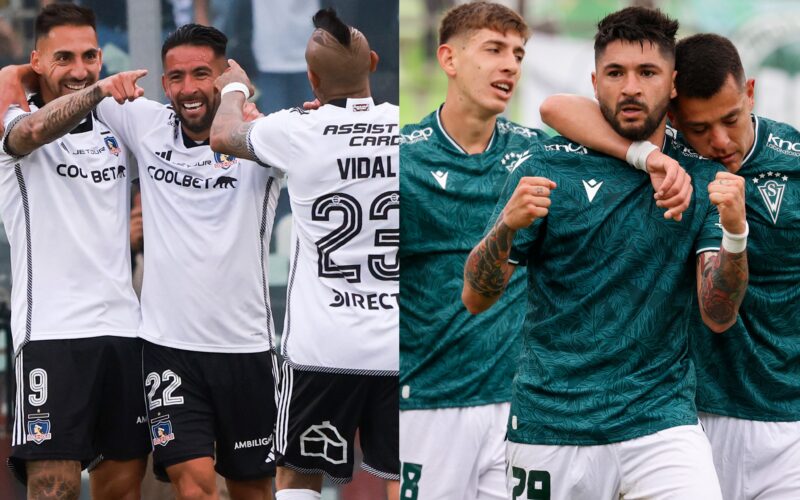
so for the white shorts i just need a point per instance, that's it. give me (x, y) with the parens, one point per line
(673, 464)
(454, 453)
(755, 460)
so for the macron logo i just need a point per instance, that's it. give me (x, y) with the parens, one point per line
(592, 187)
(441, 178)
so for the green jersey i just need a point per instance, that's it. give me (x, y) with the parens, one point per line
(610, 282)
(448, 357)
(752, 370)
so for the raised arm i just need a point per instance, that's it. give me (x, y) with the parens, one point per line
(722, 276)
(487, 270)
(579, 119)
(230, 128)
(61, 115)
(14, 79)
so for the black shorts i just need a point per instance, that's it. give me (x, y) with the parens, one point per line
(79, 399)
(319, 415)
(202, 402)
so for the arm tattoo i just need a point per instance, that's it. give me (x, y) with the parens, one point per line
(487, 265)
(724, 282)
(230, 132)
(54, 120)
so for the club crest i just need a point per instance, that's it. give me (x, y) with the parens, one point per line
(772, 186)
(161, 431)
(39, 428)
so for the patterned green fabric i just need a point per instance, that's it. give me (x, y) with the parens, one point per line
(752, 370)
(448, 357)
(610, 282)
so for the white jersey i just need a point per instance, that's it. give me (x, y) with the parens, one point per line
(342, 165)
(207, 221)
(66, 210)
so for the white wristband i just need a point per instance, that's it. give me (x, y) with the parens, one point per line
(235, 87)
(735, 243)
(638, 152)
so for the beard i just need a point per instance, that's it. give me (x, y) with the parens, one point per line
(630, 131)
(196, 125)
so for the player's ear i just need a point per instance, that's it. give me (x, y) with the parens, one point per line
(674, 92)
(164, 84)
(36, 62)
(313, 79)
(445, 55)
(594, 84)
(373, 61)
(750, 91)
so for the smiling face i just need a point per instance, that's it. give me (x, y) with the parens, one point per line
(67, 60)
(188, 80)
(484, 67)
(634, 83)
(719, 127)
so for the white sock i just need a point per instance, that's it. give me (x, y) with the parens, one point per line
(297, 495)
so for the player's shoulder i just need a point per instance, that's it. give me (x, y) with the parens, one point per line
(697, 165)
(418, 134)
(514, 132)
(777, 136)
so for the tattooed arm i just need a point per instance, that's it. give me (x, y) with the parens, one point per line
(722, 277)
(487, 270)
(230, 128)
(721, 284)
(61, 115)
(229, 131)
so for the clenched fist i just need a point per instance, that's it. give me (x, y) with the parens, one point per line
(529, 202)
(726, 191)
(234, 73)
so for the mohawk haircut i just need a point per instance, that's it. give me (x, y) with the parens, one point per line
(704, 62)
(328, 20)
(637, 24)
(475, 16)
(62, 14)
(198, 36)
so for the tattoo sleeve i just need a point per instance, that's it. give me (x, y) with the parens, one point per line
(487, 269)
(229, 132)
(54, 120)
(722, 282)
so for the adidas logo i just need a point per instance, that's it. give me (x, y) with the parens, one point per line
(167, 155)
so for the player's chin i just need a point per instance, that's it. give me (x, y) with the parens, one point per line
(496, 106)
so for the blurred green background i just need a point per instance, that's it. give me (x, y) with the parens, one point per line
(767, 34)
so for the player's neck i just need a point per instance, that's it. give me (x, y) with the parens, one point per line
(327, 95)
(471, 129)
(659, 135)
(196, 136)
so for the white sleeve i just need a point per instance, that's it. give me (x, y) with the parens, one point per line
(270, 140)
(129, 119)
(11, 118)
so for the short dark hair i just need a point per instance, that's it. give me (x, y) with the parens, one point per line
(703, 63)
(328, 20)
(637, 24)
(197, 35)
(478, 15)
(62, 14)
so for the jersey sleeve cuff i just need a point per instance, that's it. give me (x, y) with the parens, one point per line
(6, 148)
